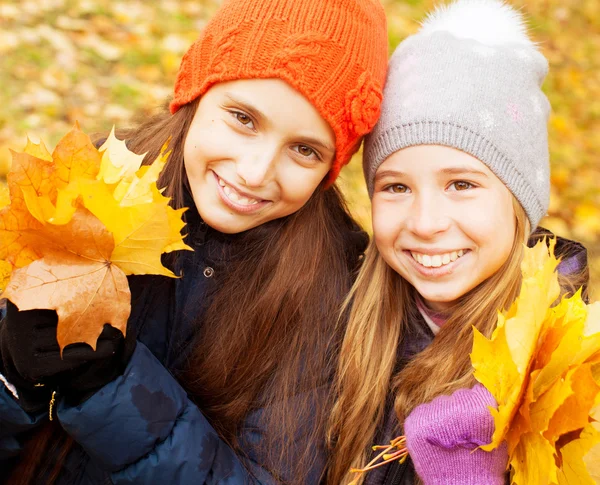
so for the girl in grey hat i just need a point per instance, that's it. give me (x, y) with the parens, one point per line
(457, 170)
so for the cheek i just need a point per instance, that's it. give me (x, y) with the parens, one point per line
(297, 184)
(489, 217)
(208, 140)
(386, 217)
(492, 225)
(386, 225)
(192, 153)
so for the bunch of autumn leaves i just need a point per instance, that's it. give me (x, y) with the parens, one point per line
(80, 220)
(542, 364)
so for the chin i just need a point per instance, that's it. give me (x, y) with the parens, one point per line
(437, 298)
(222, 225)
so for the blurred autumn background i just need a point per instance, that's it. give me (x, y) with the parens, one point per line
(106, 63)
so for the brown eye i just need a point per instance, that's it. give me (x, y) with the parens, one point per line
(398, 189)
(305, 151)
(243, 118)
(462, 185)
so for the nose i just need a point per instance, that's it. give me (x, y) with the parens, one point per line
(428, 216)
(258, 167)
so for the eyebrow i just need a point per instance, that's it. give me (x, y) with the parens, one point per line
(463, 170)
(313, 141)
(260, 116)
(253, 110)
(388, 173)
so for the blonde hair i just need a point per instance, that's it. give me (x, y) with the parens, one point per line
(381, 303)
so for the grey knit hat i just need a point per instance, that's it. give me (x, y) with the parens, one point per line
(470, 79)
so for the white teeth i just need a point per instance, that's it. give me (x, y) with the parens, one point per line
(234, 196)
(436, 260)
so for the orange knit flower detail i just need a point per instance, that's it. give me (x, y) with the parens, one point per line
(363, 105)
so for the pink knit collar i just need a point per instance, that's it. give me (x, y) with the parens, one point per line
(438, 318)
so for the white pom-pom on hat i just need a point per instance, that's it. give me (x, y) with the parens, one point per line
(491, 22)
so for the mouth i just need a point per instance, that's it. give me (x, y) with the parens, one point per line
(437, 260)
(238, 200)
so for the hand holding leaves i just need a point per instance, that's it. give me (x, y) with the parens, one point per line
(31, 359)
(542, 365)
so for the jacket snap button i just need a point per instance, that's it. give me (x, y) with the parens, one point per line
(208, 272)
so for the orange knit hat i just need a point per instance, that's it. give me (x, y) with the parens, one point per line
(334, 52)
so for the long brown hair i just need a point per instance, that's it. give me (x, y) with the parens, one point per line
(382, 303)
(268, 338)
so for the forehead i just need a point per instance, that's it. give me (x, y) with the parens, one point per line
(274, 100)
(432, 157)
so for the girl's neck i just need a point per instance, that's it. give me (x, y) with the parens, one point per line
(434, 319)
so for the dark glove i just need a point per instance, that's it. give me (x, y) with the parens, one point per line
(32, 363)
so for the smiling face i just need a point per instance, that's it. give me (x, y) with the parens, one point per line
(256, 151)
(442, 220)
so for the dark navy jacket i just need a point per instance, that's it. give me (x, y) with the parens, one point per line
(574, 260)
(142, 428)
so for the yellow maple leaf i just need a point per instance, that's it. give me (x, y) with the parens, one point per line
(140, 186)
(75, 158)
(544, 472)
(143, 225)
(567, 320)
(32, 176)
(19, 230)
(118, 163)
(140, 231)
(47, 183)
(591, 336)
(573, 414)
(77, 279)
(4, 196)
(574, 470)
(543, 409)
(37, 150)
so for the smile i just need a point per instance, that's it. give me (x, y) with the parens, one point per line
(437, 260)
(234, 196)
(240, 202)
